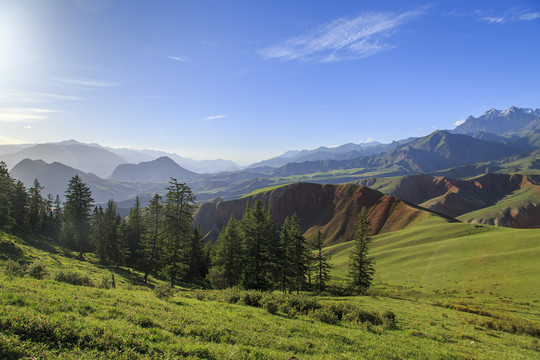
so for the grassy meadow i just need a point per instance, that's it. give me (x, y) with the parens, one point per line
(458, 291)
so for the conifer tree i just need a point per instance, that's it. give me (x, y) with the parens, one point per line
(151, 244)
(195, 256)
(76, 215)
(114, 234)
(98, 234)
(321, 263)
(135, 230)
(361, 266)
(228, 259)
(36, 207)
(56, 217)
(259, 236)
(179, 208)
(19, 204)
(296, 252)
(6, 190)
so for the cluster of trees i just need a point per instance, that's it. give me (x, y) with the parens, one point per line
(159, 239)
(252, 254)
(27, 208)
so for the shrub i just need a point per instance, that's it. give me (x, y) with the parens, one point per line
(105, 283)
(325, 315)
(388, 320)
(358, 316)
(163, 291)
(37, 270)
(270, 305)
(250, 298)
(13, 269)
(231, 295)
(73, 278)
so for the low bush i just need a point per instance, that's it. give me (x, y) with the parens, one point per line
(325, 315)
(37, 270)
(105, 283)
(13, 268)
(163, 291)
(73, 278)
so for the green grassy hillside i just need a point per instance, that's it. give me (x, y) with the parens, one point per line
(457, 291)
(486, 261)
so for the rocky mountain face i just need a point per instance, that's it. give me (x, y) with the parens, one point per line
(501, 122)
(511, 200)
(333, 209)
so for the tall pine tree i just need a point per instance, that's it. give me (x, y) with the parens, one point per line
(179, 208)
(152, 247)
(135, 230)
(36, 207)
(321, 265)
(77, 215)
(361, 266)
(228, 258)
(259, 237)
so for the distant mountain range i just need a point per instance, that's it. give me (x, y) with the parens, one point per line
(343, 152)
(99, 160)
(502, 122)
(157, 171)
(468, 151)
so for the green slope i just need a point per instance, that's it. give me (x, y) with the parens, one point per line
(458, 292)
(485, 260)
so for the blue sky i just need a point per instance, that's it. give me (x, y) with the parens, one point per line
(247, 80)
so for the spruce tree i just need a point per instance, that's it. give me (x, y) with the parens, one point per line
(296, 252)
(179, 208)
(228, 258)
(135, 230)
(6, 190)
(19, 205)
(259, 236)
(97, 234)
(77, 215)
(361, 266)
(195, 256)
(151, 239)
(321, 265)
(36, 207)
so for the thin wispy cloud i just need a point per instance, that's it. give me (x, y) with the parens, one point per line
(214, 117)
(179, 58)
(459, 122)
(512, 15)
(343, 39)
(15, 96)
(25, 114)
(89, 83)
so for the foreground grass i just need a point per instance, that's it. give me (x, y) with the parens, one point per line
(458, 292)
(45, 319)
